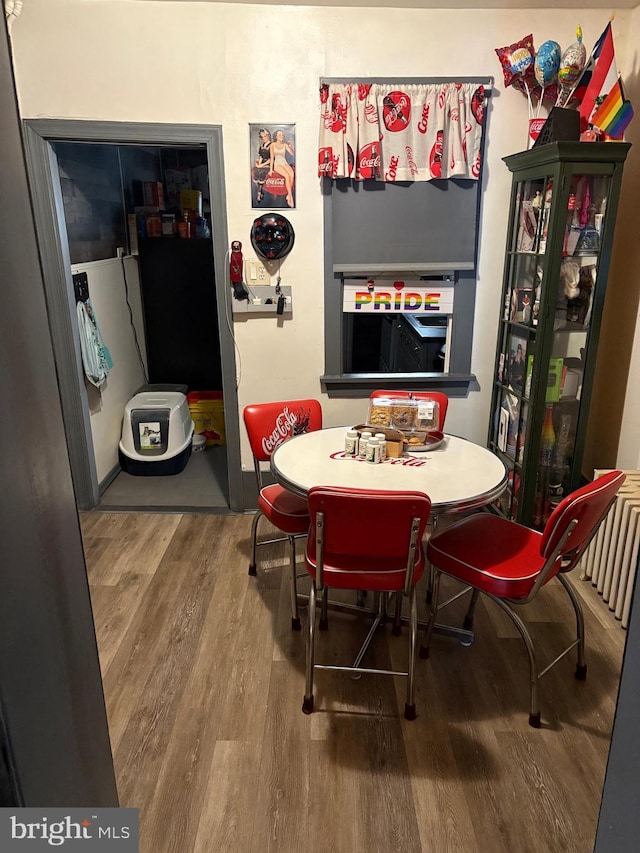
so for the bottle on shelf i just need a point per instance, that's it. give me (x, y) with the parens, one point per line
(562, 442)
(548, 438)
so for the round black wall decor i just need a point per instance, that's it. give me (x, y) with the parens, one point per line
(272, 236)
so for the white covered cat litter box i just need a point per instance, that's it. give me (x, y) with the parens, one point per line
(156, 433)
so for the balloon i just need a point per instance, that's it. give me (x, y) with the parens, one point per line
(572, 62)
(547, 62)
(517, 60)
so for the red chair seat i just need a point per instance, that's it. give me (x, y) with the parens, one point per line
(495, 555)
(286, 511)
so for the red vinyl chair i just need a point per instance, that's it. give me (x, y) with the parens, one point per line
(365, 540)
(268, 425)
(438, 396)
(510, 563)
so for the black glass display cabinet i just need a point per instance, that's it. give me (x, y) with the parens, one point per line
(562, 216)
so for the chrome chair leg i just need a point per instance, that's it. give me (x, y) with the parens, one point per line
(429, 570)
(293, 588)
(581, 667)
(254, 536)
(307, 704)
(324, 610)
(468, 619)
(397, 619)
(410, 704)
(426, 640)
(534, 705)
(377, 621)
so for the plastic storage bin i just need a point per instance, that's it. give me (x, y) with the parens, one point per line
(156, 434)
(207, 413)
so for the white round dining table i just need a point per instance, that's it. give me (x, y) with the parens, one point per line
(457, 476)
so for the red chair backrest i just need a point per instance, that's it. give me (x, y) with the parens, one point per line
(269, 424)
(438, 396)
(362, 525)
(587, 506)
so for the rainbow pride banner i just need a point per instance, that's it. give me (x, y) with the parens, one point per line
(614, 113)
(397, 297)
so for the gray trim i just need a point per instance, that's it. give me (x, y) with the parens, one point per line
(333, 339)
(106, 482)
(58, 283)
(361, 384)
(49, 222)
(419, 267)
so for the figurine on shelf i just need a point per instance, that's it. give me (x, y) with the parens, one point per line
(513, 310)
(578, 307)
(569, 280)
(536, 301)
(536, 203)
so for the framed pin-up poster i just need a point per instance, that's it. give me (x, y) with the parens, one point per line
(272, 162)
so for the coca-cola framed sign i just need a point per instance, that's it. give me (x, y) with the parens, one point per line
(272, 165)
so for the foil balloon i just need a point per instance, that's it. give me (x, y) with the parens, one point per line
(517, 60)
(547, 63)
(572, 62)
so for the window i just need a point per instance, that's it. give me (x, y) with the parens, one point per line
(420, 234)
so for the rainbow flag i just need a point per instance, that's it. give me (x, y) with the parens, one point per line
(614, 113)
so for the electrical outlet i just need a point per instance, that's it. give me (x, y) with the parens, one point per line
(256, 273)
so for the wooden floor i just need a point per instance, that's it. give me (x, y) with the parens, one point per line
(204, 681)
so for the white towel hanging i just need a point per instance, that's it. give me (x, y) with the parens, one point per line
(96, 359)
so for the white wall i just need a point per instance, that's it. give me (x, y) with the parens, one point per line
(106, 405)
(234, 64)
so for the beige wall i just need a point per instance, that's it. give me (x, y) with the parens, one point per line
(616, 395)
(234, 64)
(106, 405)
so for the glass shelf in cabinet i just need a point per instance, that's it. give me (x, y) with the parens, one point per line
(515, 324)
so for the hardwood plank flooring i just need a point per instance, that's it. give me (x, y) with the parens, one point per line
(204, 680)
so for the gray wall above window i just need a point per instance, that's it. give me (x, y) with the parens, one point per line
(431, 223)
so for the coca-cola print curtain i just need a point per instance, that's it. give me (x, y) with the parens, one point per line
(400, 132)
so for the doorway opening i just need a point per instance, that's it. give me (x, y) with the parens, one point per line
(108, 201)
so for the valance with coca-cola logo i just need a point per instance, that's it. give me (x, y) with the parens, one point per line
(401, 132)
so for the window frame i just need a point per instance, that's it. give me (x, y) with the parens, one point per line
(337, 383)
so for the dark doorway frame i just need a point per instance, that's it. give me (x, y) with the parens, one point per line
(56, 264)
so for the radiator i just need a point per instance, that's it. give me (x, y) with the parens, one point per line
(611, 559)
